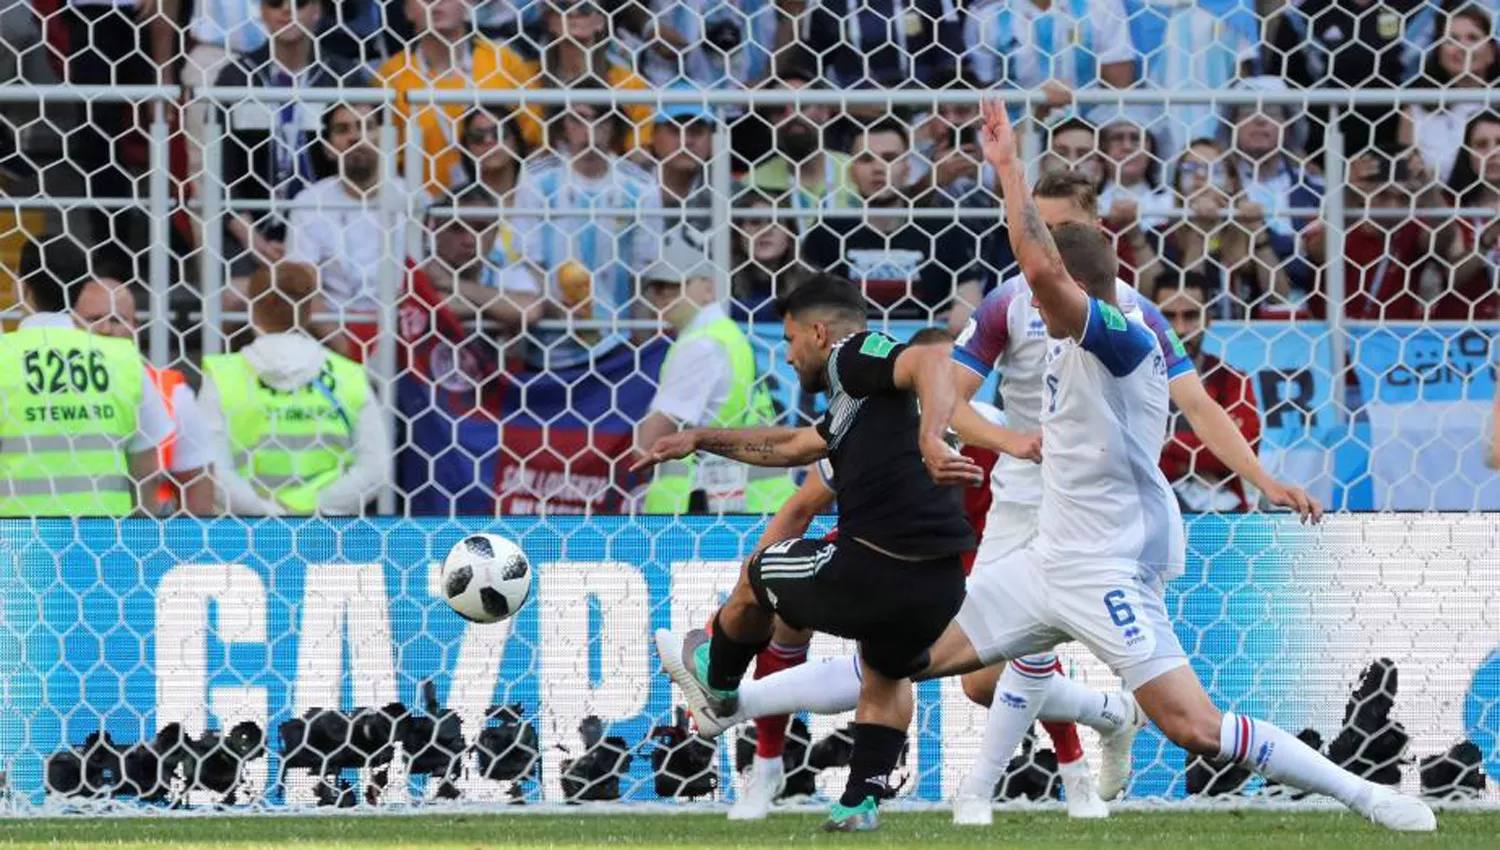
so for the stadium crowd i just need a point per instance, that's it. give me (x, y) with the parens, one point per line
(1215, 209)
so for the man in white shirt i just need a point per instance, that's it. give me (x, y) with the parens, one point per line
(695, 380)
(346, 243)
(107, 307)
(707, 380)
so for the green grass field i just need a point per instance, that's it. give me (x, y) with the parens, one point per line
(925, 830)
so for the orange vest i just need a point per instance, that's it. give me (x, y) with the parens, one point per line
(167, 381)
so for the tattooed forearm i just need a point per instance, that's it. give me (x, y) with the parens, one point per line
(1037, 233)
(762, 446)
(746, 451)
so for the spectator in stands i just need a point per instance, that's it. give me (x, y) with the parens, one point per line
(1133, 194)
(106, 307)
(880, 43)
(1191, 44)
(456, 267)
(707, 381)
(219, 31)
(1471, 244)
(767, 265)
(269, 146)
(1053, 47)
(947, 165)
(683, 142)
(447, 54)
(1463, 56)
(1263, 149)
(708, 43)
(802, 172)
(347, 246)
(493, 150)
(578, 48)
(115, 43)
(296, 429)
(1202, 481)
(947, 171)
(581, 267)
(906, 266)
(1221, 240)
(1073, 145)
(1343, 44)
(56, 460)
(1383, 256)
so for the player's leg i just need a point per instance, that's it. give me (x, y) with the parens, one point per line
(900, 610)
(767, 774)
(1120, 613)
(880, 724)
(1019, 697)
(1177, 703)
(1012, 527)
(708, 667)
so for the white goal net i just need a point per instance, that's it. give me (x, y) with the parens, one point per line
(501, 227)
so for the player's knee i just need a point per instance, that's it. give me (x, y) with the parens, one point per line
(979, 688)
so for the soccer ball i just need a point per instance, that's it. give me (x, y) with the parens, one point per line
(486, 578)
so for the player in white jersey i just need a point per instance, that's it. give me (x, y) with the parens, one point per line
(1007, 332)
(1110, 534)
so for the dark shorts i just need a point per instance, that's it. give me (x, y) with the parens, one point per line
(895, 609)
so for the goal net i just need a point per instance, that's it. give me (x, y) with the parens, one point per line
(520, 226)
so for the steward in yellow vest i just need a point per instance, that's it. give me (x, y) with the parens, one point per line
(707, 381)
(296, 428)
(79, 420)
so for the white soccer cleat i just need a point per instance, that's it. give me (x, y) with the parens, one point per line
(973, 811)
(1084, 802)
(1114, 766)
(710, 725)
(763, 785)
(1393, 810)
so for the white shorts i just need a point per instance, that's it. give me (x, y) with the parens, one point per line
(1017, 606)
(1007, 527)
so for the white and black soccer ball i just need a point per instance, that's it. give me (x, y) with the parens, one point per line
(486, 578)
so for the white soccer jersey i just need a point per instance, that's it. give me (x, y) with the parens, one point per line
(1006, 332)
(1104, 498)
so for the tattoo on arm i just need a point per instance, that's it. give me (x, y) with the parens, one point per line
(1036, 232)
(744, 450)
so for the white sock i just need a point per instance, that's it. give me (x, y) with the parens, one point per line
(764, 766)
(1279, 756)
(823, 686)
(1071, 702)
(1018, 696)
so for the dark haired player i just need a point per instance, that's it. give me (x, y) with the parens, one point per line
(894, 578)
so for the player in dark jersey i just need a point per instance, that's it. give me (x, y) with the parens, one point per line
(894, 577)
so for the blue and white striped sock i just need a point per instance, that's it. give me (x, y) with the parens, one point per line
(1279, 756)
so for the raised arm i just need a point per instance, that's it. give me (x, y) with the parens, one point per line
(1064, 306)
(755, 446)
